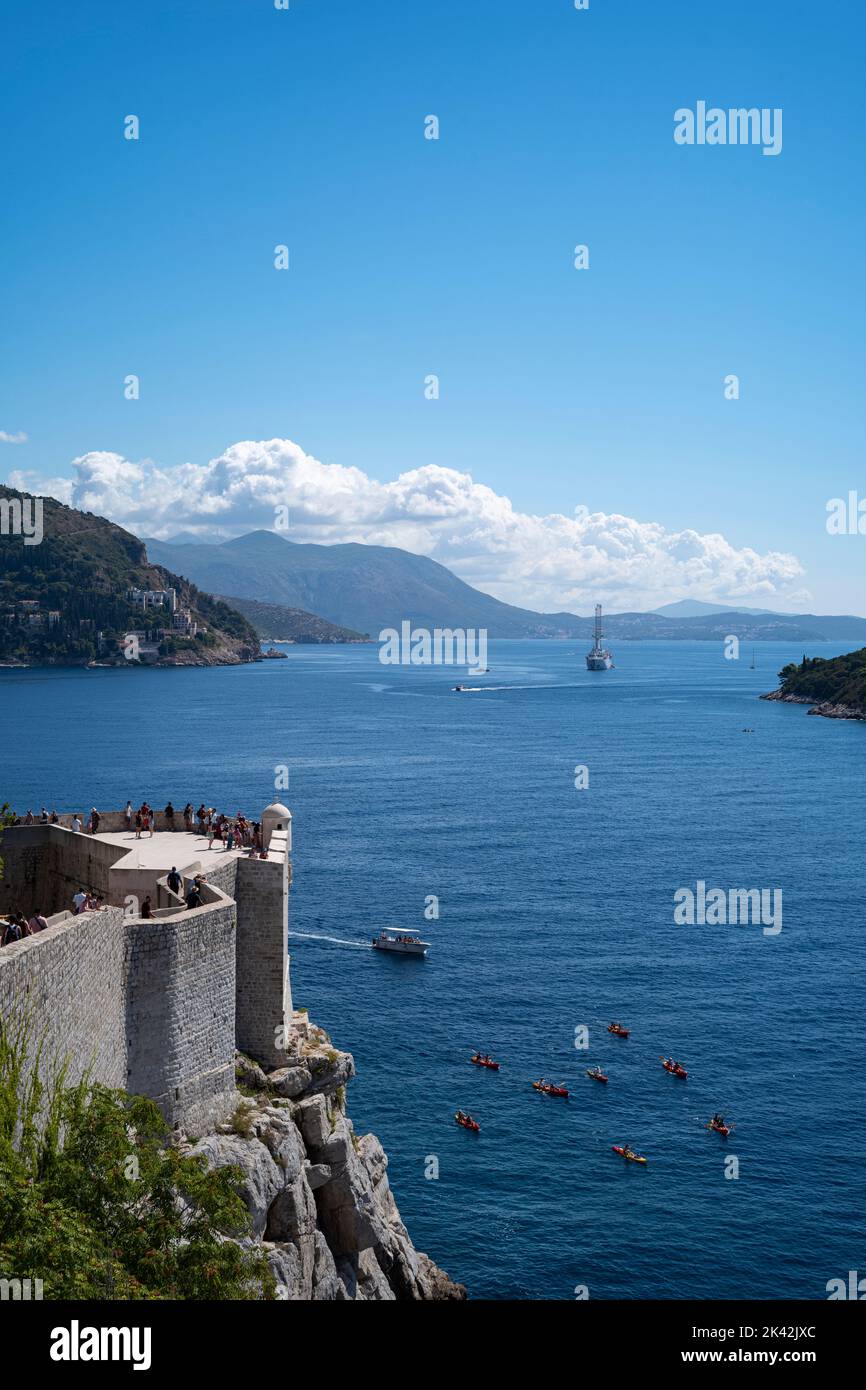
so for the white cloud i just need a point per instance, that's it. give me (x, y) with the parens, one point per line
(548, 562)
(7, 438)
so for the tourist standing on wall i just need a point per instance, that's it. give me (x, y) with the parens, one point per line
(76, 823)
(94, 820)
(128, 814)
(187, 816)
(10, 931)
(169, 816)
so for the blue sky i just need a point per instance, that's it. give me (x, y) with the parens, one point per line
(452, 257)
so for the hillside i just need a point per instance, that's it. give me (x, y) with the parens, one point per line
(274, 623)
(835, 687)
(69, 600)
(363, 587)
(696, 608)
(371, 587)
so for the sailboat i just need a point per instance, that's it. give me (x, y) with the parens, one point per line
(599, 658)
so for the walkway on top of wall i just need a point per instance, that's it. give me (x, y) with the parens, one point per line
(166, 848)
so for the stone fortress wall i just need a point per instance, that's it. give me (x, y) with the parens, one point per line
(155, 1006)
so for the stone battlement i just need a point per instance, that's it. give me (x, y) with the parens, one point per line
(156, 1005)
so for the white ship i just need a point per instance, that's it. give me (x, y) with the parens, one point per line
(408, 943)
(599, 659)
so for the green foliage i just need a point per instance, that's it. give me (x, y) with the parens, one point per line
(95, 1203)
(242, 1120)
(83, 569)
(841, 680)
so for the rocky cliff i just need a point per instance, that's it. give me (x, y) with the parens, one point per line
(317, 1193)
(835, 687)
(829, 709)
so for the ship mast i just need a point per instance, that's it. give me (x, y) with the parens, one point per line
(598, 632)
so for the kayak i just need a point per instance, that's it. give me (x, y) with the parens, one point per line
(549, 1090)
(468, 1123)
(675, 1071)
(597, 1076)
(617, 1030)
(723, 1130)
(480, 1062)
(632, 1158)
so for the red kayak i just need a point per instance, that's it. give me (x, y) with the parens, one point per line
(623, 1153)
(675, 1069)
(597, 1075)
(723, 1130)
(618, 1030)
(467, 1122)
(548, 1089)
(485, 1062)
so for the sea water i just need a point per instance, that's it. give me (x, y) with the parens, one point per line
(555, 893)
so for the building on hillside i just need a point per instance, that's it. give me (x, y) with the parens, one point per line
(153, 598)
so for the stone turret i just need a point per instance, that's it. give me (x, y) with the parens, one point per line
(277, 817)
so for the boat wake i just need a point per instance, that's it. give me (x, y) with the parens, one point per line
(476, 689)
(335, 940)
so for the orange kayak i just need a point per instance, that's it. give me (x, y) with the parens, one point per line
(468, 1123)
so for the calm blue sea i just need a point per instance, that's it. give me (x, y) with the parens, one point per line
(556, 912)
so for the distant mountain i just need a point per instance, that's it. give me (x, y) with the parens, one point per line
(274, 623)
(695, 608)
(68, 600)
(364, 587)
(371, 587)
(774, 627)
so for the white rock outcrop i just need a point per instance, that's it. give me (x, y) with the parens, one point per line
(319, 1197)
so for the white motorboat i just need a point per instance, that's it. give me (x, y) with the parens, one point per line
(406, 943)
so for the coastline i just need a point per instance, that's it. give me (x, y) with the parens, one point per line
(826, 708)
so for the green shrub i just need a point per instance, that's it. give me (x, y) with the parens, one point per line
(89, 1189)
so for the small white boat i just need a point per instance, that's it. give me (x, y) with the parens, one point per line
(407, 943)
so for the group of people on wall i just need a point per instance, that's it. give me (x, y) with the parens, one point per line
(220, 830)
(15, 926)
